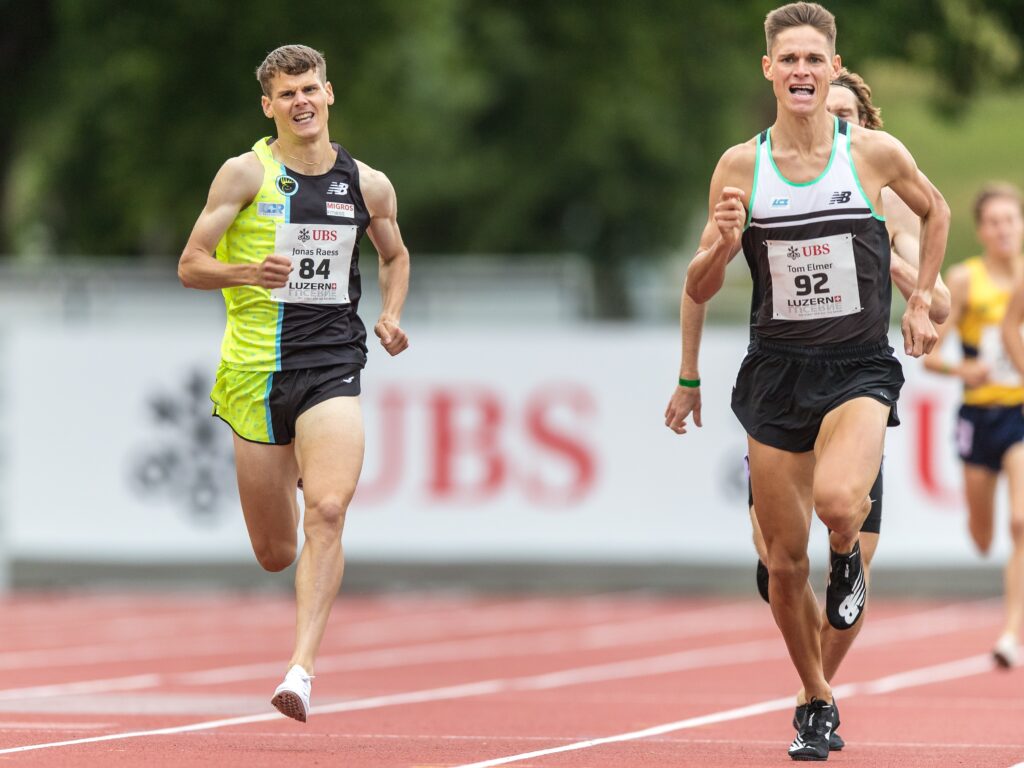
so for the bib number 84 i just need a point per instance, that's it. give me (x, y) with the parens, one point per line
(805, 286)
(308, 268)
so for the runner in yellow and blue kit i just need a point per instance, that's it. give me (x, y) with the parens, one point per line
(990, 427)
(267, 340)
(280, 236)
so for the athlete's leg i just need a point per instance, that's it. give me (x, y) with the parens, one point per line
(755, 532)
(782, 494)
(329, 449)
(1013, 464)
(266, 487)
(980, 493)
(848, 455)
(836, 643)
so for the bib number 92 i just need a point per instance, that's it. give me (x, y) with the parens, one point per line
(815, 283)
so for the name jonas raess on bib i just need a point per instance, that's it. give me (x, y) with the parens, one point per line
(321, 257)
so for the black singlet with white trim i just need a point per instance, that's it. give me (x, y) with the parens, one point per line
(818, 253)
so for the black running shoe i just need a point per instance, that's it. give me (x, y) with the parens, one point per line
(811, 742)
(835, 741)
(762, 580)
(846, 591)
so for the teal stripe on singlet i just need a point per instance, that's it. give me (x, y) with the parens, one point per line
(753, 189)
(280, 305)
(266, 405)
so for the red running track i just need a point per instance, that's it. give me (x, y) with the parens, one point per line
(418, 680)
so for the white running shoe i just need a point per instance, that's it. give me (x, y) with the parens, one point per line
(1005, 652)
(292, 696)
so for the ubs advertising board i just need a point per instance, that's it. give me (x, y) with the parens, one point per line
(499, 444)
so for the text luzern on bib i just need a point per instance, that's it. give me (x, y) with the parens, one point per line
(321, 257)
(813, 279)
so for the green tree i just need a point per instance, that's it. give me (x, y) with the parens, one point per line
(525, 127)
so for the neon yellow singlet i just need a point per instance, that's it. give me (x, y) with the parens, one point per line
(252, 336)
(980, 333)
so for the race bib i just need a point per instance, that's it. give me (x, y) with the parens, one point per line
(1002, 371)
(813, 279)
(321, 257)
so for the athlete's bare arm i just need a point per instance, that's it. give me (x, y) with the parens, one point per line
(720, 242)
(887, 163)
(974, 372)
(686, 400)
(1013, 342)
(235, 186)
(905, 238)
(382, 203)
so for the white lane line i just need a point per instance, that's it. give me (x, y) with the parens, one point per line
(164, 631)
(480, 688)
(948, 671)
(23, 725)
(927, 623)
(558, 641)
(618, 634)
(952, 670)
(155, 642)
(138, 621)
(751, 651)
(133, 683)
(988, 748)
(141, 648)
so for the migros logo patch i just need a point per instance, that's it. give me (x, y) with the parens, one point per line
(347, 210)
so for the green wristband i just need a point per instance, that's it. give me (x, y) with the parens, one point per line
(689, 383)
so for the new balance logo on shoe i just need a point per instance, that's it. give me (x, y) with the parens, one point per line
(850, 608)
(846, 593)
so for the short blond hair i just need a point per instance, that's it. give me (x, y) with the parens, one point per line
(994, 191)
(290, 60)
(799, 15)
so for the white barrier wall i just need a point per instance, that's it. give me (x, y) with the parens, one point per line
(492, 444)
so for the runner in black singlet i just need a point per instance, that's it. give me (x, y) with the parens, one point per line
(819, 383)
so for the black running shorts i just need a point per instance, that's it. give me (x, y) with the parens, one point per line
(263, 406)
(783, 392)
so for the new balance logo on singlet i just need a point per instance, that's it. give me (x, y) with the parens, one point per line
(337, 188)
(840, 197)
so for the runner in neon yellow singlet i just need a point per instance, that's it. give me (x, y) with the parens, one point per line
(279, 235)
